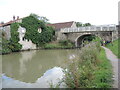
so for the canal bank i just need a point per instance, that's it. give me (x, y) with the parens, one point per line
(114, 61)
(89, 64)
(91, 69)
(32, 68)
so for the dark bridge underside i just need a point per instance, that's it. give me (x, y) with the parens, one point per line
(81, 40)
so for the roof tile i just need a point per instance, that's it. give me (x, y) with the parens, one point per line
(58, 26)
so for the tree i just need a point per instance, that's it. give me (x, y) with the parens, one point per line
(44, 19)
(14, 45)
(86, 24)
(32, 24)
(79, 24)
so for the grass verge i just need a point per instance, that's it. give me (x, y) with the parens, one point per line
(114, 47)
(103, 76)
(64, 44)
(90, 70)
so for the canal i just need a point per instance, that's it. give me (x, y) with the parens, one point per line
(36, 68)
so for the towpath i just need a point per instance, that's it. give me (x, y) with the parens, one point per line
(114, 62)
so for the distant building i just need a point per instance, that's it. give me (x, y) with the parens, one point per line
(25, 43)
(59, 26)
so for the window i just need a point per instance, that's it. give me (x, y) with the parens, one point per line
(39, 30)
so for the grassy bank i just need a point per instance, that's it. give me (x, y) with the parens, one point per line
(90, 70)
(104, 73)
(64, 44)
(114, 47)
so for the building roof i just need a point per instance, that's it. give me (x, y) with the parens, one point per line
(10, 22)
(61, 25)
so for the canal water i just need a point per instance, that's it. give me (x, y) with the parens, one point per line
(36, 68)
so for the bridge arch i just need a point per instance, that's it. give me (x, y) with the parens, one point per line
(80, 39)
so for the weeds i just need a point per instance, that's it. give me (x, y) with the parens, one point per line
(90, 70)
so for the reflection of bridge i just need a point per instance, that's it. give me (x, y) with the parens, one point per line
(76, 35)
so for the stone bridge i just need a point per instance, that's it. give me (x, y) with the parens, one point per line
(76, 35)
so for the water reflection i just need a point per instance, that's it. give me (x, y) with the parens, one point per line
(29, 66)
(55, 74)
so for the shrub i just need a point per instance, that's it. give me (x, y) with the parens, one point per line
(90, 70)
(5, 46)
(32, 25)
(65, 42)
(13, 44)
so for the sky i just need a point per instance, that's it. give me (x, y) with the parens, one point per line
(96, 12)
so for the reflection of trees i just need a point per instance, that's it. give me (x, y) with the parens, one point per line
(29, 66)
(10, 64)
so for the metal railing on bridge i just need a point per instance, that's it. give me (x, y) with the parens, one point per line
(90, 28)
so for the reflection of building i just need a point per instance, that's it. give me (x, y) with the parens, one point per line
(28, 66)
(25, 43)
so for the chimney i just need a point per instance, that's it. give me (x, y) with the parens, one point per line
(13, 18)
(17, 17)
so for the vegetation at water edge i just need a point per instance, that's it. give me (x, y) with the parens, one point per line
(90, 70)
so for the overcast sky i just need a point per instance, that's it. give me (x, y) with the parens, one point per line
(97, 12)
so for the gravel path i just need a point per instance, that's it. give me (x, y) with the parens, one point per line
(114, 61)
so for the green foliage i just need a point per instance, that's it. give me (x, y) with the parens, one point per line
(86, 24)
(11, 45)
(90, 70)
(44, 19)
(103, 77)
(53, 86)
(14, 45)
(79, 24)
(51, 46)
(114, 47)
(63, 44)
(5, 46)
(32, 25)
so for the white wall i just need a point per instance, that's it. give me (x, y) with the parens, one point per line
(73, 25)
(25, 43)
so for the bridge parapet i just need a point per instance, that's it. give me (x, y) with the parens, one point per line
(90, 28)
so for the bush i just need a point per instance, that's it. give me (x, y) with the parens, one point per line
(51, 46)
(5, 46)
(32, 25)
(58, 46)
(90, 70)
(65, 42)
(14, 45)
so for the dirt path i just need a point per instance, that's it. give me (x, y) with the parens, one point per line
(114, 61)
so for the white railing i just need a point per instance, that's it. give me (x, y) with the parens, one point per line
(90, 28)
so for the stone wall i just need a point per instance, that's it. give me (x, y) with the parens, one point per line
(6, 29)
(61, 36)
(107, 35)
(24, 42)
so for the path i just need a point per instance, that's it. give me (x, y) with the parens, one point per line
(114, 61)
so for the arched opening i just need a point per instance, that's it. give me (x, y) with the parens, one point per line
(80, 41)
